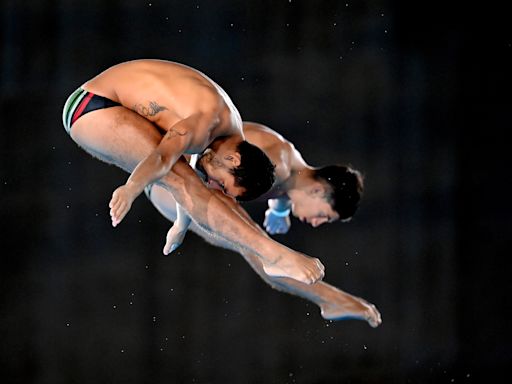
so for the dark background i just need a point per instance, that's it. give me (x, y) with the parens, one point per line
(414, 94)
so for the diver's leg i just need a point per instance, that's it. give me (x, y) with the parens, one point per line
(334, 303)
(116, 135)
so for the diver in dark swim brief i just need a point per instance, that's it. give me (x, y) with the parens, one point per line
(81, 102)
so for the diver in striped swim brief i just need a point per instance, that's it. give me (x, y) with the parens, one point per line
(169, 110)
(81, 102)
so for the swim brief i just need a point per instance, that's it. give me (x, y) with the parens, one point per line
(147, 190)
(81, 102)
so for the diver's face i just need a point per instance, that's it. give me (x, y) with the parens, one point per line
(218, 176)
(314, 210)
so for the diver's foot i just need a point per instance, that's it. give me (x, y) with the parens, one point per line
(353, 308)
(299, 267)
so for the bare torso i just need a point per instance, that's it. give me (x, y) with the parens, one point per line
(281, 152)
(165, 93)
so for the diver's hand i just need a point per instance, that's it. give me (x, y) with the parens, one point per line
(174, 238)
(120, 203)
(277, 222)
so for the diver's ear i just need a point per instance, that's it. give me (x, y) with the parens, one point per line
(316, 188)
(234, 157)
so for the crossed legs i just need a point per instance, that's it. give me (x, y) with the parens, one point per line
(120, 137)
(334, 303)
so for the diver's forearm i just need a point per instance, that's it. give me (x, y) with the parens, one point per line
(279, 204)
(148, 171)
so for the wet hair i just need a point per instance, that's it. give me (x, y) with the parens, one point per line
(255, 172)
(346, 188)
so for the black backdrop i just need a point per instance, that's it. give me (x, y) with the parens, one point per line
(414, 94)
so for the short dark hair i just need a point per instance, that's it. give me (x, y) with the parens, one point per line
(346, 188)
(255, 172)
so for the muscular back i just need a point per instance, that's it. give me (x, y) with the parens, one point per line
(165, 92)
(280, 151)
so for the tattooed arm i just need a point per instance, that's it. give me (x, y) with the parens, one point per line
(175, 142)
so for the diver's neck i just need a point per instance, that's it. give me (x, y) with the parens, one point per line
(300, 179)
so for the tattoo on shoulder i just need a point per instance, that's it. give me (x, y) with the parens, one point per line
(151, 110)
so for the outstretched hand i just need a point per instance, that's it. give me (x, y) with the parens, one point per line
(174, 239)
(120, 203)
(276, 224)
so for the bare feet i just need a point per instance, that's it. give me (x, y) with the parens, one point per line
(120, 203)
(296, 266)
(351, 307)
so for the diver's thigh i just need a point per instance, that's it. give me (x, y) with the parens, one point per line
(116, 135)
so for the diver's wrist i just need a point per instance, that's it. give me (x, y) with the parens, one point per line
(277, 213)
